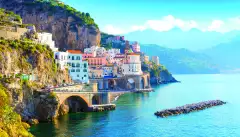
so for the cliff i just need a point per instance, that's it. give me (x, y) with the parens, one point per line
(71, 29)
(158, 73)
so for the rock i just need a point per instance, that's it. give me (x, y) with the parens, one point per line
(69, 32)
(63, 109)
(33, 121)
(189, 108)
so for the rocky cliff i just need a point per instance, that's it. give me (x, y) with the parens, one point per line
(71, 29)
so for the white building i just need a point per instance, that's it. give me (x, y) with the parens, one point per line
(111, 54)
(61, 59)
(46, 38)
(78, 69)
(91, 50)
(72, 59)
(155, 59)
(136, 47)
(101, 51)
(132, 64)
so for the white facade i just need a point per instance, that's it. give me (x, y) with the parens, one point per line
(155, 59)
(111, 54)
(77, 68)
(92, 50)
(46, 38)
(136, 47)
(61, 59)
(101, 51)
(132, 65)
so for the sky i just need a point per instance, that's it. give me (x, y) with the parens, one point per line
(124, 16)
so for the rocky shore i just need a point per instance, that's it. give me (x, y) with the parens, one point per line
(100, 108)
(189, 108)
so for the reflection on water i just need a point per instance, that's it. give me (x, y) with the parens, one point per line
(68, 125)
(134, 114)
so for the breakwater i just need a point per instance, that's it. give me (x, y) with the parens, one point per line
(189, 108)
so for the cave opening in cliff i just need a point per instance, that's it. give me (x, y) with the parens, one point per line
(76, 104)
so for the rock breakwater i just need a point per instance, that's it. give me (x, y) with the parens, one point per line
(189, 108)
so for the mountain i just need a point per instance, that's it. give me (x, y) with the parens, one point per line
(227, 55)
(181, 61)
(193, 39)
(71, 29)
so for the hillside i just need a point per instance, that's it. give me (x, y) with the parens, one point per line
(71, 29)
(193, 39)
(181, 61)
(226, 54)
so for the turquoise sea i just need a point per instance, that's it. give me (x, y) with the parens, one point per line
(134, 115)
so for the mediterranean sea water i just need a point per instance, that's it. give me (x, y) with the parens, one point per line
(134, 115)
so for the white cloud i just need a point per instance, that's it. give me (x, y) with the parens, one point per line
(169, 22)
(113, 30)
(216, 25)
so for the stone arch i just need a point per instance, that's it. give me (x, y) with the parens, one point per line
(73, 104)
(131, 84)
(96, 100)
(142, 83)
(148, 81)
(112, 84)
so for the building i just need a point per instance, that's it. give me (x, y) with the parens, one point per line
(146, 58)
(78, 69)
(108, 71)
(132, 64)
(61, 59)
(92, 50)
(95, 73)
(136, 47)
(95, 61)
(101, 51)
(155, 59)
(46, 38)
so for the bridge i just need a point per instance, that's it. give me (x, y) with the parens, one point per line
(82, 97)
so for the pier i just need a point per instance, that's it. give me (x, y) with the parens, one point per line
(189, 108)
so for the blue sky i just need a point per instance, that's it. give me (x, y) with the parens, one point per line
(124, 16)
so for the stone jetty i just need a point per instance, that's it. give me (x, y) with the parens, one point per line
(189, 108)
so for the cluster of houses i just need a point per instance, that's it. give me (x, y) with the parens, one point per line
(97, 62)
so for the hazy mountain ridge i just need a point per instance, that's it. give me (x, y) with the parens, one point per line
(182, 61)
(193, 39)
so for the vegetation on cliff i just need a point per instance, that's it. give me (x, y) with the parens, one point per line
(10, 121)
(54, 5)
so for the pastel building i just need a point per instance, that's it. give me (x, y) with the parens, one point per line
(96, 61)
(95, 73)
(92, 50)
(136, 47)
(46, 38)
(108, 71)
(132, 64)
(78, 69)
(101, 51)
(155, 59)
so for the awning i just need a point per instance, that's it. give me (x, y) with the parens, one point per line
(131, 80)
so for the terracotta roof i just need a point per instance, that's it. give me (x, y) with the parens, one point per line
(75, 51)
(137, 53)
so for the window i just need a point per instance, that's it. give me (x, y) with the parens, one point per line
(85, 75)
(73, 70)
(85, 70)
(72, 57)
(78, 65)
(78, 58)
(85, 65)
(77, 75)
(78, 70)
(69, 57)
(73, 65)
